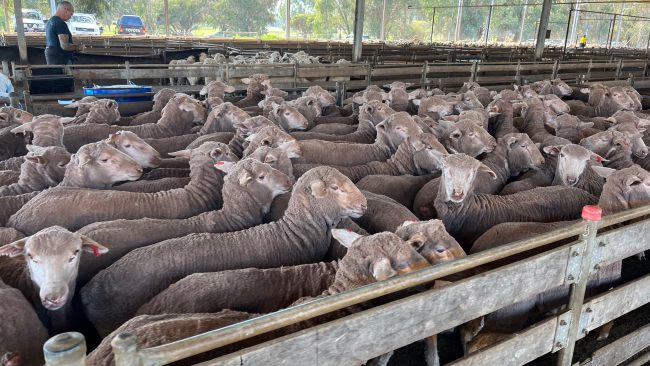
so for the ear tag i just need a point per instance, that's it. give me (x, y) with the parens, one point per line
(95, 251)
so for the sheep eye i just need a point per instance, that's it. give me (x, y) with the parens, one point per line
(261, 177)
(417, 245)
(561, 155)
(127, 145)
(104, 160)
(335, 188)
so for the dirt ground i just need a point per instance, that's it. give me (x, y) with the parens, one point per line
(450, 348)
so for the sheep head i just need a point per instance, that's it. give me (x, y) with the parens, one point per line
(252, 124)
(373, 258)
(468, 138)
(288, 117)
(185, 103)
(47, 130)
(52, 256)
(635, 134)
(458, 175)
(324, 97)
(132, 145)
(276, 157)
(216, 151)
(572, 162)
(100, 165)
(162, 97)
(104, 111)
(257, 178)
(560, 88)
(608, 143)
(425, 150)
(48, 163)
(431, 240)
(273, 136)
(397, 128)
(375, 111)
(624, 189)
(326, 190)
(82, 105)
(521, 152)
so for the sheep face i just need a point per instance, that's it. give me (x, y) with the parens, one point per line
(375, 258)
(569, 127)
(522, 153)
(468, 138)
(435, 105)
(375, 111)
(289, 118)
(560, 88)
(334, 192)
(14, 115)
(230, 113)
(188, 104)
(471, 101)
(256, 177)
(50, 162)
(624, 189)
(104, 164)
(557, 105)
(431, 240)
(607, 143)
(480, 116)
(635, 96)
(276, 157)
(162, 97)
(273, 136)
(635, 135)
(309, 103)
(52, 256)
(252, 124)
(571, 163)
(324, 97)
(458, 175)
(397, 128)
(425, 149)
(621, 98)
(132, 145)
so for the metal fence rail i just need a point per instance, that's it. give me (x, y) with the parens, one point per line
(370, 333)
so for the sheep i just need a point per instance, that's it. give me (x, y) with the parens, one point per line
(43, 167)
(8, 177)
(614, 146)
(218, 73)
(607, 102)
(101, 111)
(390, 133)
(309, 107)
(570, 128)
(467, 215)
(247, 198)
(177, 118)
(160, 100)
(467, 137)
(383, 214)
(397, 97)
(288, 117)
(21, 333)
(325, 99)
(635, 135)
(554, 87)
(414, 156)
(272, 136)
(223, 119)
(535, 117)
(46, 269)
(573, 168)
(11, 145)
(435, 107)
(216, 89)
(502, 123)
(256, 84)
(484, 95)
(203, 193)
(11, 204)
(513, 154)
(47, 130)
(320, 199)
(132, 145)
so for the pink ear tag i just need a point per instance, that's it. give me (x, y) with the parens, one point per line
(599, 159)
(96, 252)
(219, 163)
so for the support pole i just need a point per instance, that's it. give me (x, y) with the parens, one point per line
(620, 24)
(20, 31)
(287, 30)
(576, 19)
(459, 16)
(359, 10)
(167, 18)
(522, 22)
(65, 349)
(433, 21)
(566, 35)
(541, 31)
(489, 20)
(592, 215)
(7, 19)
(611, 32)
(52, 7)
(382, 33)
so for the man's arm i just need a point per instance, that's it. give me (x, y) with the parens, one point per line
(63, 41)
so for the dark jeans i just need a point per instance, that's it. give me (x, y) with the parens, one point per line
(54, 56)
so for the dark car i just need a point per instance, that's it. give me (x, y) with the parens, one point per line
(131, 24)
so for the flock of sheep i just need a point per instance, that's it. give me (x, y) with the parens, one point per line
(202, 213)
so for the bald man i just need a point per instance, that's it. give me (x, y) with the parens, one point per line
(59, 48)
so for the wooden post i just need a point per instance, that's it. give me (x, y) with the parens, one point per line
(125, 350)
(458, 19)
(287, 30)
(167, 18)
(521, 22)
(489, 20)
(541, 31)
(433, 21)
(20, 31)
(593, 215)
(7, 19)
(382, 33)
(65, 349)
(359, 9)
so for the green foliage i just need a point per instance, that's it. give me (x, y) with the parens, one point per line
(242, 15)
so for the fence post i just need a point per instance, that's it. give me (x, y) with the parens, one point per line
(592, 215)
(556, 68)
(591, 64)
(619, 68)
(340, 93)
(125, 350)
(127, 66)
(65, 349)
(474, 70)
(425, 69)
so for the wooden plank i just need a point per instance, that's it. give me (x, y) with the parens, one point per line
(621, 349)
(616, 303)
(520, 349)
(331, 71)
(496, 68)
(537, 67)
(362, 336)
(397, 71)
(97, 74)
(490, 79)
(445, 68)
(624, 242)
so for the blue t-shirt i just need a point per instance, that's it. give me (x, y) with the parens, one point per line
(53, 28)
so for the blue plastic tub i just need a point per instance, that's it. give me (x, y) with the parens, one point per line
(117, 89)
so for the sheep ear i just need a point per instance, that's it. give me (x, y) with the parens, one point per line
(455, 134)
(225, 166)
(270, 159)
(25, 127)
(602, 171)
(585, 90)
(14, 249)
(381, 269)
(631, 180)
(187, 153)
(66, 120)
(552, 150)
(598, 158)
(38, 159)
(417, 102)
(511, 140)
(186, 106)
(408, 223)
(483, 168)
(359, 100)
(494, 108)
(245, 178)
(246, 81)
(584, 125)
(318, 189)
(414, 94)
(345, 237)
(88, 245)
(229, 89)
(83, 159)
(292, 149)
(204, 90)
(417, 144)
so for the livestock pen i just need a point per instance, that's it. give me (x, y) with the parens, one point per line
(336, 77)
(356, 338)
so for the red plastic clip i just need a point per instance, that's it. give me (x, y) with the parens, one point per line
(219, 163)
(592, 213)
(96, 252)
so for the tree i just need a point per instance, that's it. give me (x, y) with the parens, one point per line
(243, 15)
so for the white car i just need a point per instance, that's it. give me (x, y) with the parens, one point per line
(81, 23)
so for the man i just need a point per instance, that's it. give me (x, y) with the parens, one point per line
(583, 41)
(59, 48)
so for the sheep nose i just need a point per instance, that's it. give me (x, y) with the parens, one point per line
(52, 301)
(571, 180)
(139, 170)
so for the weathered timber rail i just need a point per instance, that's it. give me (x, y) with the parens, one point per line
(370, 333)
(348, 77)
